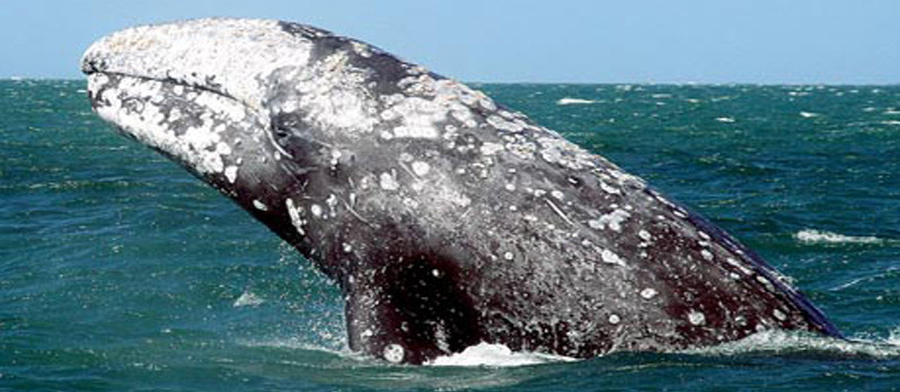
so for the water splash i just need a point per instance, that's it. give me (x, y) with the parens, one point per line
(495, 355)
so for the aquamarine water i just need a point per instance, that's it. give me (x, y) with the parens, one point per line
(120, 271)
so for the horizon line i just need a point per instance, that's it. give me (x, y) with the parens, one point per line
(645, 83)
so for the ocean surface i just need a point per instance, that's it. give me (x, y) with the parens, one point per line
(120, 271)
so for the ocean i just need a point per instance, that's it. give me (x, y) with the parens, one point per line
(121, 271)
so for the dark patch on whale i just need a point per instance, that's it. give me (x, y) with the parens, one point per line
(446, 219)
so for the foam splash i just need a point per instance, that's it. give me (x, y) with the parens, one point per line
(574, 101)
(495, 355)
(780, 342)
(248, 299)
(815, 236)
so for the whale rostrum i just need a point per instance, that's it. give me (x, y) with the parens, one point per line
(446, 219)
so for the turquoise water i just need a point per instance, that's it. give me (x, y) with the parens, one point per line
(120, 271)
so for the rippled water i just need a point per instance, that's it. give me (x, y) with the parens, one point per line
(120, 271)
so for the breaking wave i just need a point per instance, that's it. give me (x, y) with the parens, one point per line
(816, 236)
(777, 342)
(574, 101)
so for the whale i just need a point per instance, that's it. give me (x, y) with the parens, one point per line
(446, 219)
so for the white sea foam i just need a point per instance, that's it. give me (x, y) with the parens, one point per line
(792, 342)
(809, 236)
(495, 355)
(725, 119)
(574, 101)
(808, 114)
(248, 299)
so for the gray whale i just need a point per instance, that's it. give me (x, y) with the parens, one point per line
(446, 219)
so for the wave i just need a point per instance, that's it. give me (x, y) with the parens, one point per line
(248, 299)
(574, 101)
(778, 342)
(810, 236)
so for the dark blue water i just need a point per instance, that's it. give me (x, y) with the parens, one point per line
(120, 271)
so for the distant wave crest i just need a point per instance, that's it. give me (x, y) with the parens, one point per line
(574, 101)
(816, 236)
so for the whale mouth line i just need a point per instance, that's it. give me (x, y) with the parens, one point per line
(173, 81)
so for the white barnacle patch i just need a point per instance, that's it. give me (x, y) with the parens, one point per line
(613, 220)
(420, 168)
(610, 257)
(426, 105)
(564, 153)
(296, 218)
(259, 205)
(765, 282)
(316, 210)
(231, 173)
(393, 353)
(388, 181)
(609, 188)
(503, 124)
(614, 319)
(779, 315)
(490, 148)
(648, 293)
(645, 235)
(739, 266)
(696, 318)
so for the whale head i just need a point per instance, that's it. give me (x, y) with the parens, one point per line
(268, 112)
(213, 93)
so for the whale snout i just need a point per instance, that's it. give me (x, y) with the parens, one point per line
(233, 58)
(196, 91)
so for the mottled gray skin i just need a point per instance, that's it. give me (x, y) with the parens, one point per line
(471, 225)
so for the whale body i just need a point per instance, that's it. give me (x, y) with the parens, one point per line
(446, 219)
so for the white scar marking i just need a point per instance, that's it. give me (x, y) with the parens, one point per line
(559, 212)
